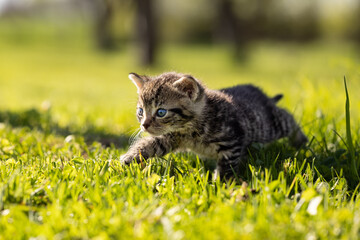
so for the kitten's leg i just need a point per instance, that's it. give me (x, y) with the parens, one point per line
(228, 166)
(291, 129)
(149, 147)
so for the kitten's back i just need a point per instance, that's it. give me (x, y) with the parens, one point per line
(250, 94)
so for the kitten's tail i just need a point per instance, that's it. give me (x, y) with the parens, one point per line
(277, 98)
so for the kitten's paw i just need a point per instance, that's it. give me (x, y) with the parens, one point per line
(126, 159)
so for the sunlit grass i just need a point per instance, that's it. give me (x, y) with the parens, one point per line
(59, 174)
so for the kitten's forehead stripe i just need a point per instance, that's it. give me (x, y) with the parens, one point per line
(157, 97)
(152, 92)
(159, 91)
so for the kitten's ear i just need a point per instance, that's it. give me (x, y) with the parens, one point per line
(189, 86)
(137, 80)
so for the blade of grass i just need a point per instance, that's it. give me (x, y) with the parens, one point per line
(349, 140)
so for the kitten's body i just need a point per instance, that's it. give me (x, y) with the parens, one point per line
(217, 125)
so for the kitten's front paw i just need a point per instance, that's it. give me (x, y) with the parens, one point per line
(126, 159)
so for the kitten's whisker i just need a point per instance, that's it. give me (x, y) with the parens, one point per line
(135, 136)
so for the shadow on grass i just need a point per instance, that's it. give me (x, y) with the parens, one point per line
(327, 159)
(324, 162)
(279, 157)
(42, 121)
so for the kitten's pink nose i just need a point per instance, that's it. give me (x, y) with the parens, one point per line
(146, 125)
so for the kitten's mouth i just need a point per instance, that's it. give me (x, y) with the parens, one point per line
(146, 130)
(153, 132)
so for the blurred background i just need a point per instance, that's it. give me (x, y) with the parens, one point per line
(114, 25)
(73, 56)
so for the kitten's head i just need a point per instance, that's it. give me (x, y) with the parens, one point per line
(168, 103)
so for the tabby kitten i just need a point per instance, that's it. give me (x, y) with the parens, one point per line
(181, 114)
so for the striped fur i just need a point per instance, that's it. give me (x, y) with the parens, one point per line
(217, 125)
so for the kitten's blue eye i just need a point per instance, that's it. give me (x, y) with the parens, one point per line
(140, 111)
(161, 112)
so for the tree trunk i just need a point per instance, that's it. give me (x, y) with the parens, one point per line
(103, 15)
(145, 31)
(229, 28)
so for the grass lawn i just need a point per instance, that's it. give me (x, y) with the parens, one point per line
(66, 115)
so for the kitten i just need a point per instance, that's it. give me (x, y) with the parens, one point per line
(181, 114)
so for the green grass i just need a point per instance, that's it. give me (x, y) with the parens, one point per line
(59, 174)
